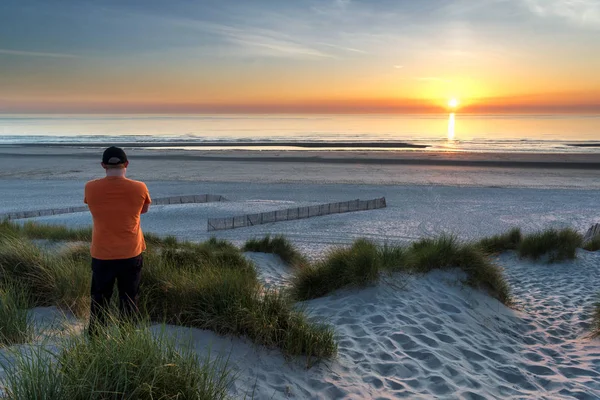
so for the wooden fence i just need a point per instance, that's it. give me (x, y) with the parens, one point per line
(189, 199)
(288, 214)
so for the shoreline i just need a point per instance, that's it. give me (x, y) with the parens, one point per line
(584, 161)
(245, 143)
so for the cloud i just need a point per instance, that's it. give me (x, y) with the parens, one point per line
(36, 54)
(579, 12)
(251, 40)
(343, 48)
(266, 41)
(398, 66)
(275, 47)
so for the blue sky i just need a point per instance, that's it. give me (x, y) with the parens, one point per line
(106, 50)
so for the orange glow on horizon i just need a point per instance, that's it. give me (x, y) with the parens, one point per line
(558, 102)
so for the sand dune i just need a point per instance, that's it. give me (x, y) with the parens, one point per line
(431, 337)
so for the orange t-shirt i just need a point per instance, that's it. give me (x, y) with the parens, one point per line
(116, 204)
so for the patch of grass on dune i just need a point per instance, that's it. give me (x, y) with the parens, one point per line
(221, 292)
(363, 262)
(501, 243)
(447, 252)
(482, 273)
(58, 233)
(210, 285)
(123, 362)
(21, 261)
(357, 265)
(393, 257)
(58, 280)
(34, 230)
(16, 325)
(278, 245)
(593, 245)
(208, 254)
(556, 245)
(8, 230)
(76, 252)
(68, 282)
(428, 254)
(153, 239)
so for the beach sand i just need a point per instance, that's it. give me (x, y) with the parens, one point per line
(408, 336)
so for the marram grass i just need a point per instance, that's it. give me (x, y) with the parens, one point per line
(16, 325)
(501, 243)
(209, 285)
(278, 245)
(593, 245)
(121, 362)
(556, 245)
(363, 263)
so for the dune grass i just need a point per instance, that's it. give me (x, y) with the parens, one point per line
(593, 245)
(153, 239)
(278, 245)
(122, 362)
(501, 243)
(363, 262)
(60, 280)
(393, 257)
(32, 230)
(16, 325)
(357, 265)
(212, 286)
(556, 245)
(60, 233)
(446, 252)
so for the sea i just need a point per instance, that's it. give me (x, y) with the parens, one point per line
(440, 132)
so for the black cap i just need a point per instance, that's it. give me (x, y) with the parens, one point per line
(114, 156)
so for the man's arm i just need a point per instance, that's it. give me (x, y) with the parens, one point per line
(147, 201)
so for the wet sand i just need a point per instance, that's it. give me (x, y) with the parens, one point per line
(310, 166)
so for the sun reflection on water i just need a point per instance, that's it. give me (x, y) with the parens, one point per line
(451, 123)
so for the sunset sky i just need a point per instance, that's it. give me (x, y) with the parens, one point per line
(69, 56)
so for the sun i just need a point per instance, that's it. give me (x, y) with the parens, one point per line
(453, 103)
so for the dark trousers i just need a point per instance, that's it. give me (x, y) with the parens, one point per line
(127, 273)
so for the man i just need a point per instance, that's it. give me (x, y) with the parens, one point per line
(116, 204)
